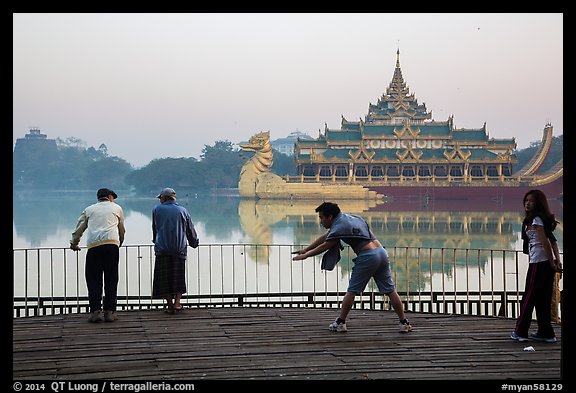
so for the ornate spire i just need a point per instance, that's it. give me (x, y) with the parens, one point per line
(397, 102)
(397, 88)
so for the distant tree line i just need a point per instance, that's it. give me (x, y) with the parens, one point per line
(73, 166)
(69, 165)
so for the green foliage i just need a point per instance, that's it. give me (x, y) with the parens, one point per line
(222, 164)
(212, 154)
(107, 172)
(219, 168)
(283, 164)
(165, 172)
(67, 164)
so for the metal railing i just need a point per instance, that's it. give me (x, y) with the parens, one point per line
(482, 282)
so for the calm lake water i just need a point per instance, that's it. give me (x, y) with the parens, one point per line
(48, 219)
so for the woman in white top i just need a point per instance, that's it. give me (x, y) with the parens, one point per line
(544, 262)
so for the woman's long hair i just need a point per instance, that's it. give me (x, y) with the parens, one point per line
(541, 208)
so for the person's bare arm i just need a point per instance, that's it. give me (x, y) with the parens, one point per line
(314, 244)
(319, 249)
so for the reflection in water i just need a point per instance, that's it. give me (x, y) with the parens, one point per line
(409, 232)
(37, 218)
(424, 228)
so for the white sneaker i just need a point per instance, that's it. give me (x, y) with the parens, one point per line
(404, 327)
(338, 327)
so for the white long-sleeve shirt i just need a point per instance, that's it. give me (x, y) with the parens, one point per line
(103, 223)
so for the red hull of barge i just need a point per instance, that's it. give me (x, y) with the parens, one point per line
(462, 205)
(553, 190)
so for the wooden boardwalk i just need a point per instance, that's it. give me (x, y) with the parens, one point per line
(276, 344)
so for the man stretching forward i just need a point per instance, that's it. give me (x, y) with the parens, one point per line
(371, 260)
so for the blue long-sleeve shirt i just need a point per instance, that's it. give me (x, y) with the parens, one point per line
(172, 229)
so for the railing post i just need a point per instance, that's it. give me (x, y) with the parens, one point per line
(503, 305)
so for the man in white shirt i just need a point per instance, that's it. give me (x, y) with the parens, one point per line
(104, 226)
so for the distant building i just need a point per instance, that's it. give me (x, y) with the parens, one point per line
(286, 145)
(32, 153)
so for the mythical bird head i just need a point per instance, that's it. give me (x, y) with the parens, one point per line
(257, 142)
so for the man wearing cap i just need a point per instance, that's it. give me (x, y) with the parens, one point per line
(172, 232)
(104, 226)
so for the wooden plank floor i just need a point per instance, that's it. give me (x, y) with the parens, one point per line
(275, 344)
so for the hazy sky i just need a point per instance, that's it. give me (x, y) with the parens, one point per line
(165, 85)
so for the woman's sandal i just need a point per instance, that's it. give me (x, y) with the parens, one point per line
(180, 308)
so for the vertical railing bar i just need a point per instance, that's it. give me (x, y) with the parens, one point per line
(419, 264)
(431, 259)
(467, 282)
(454, 279)
(198, 272)
(291, 286)
(233, 269)
(256, 271)
(504, 286)
(64, 271)
(26, 284)
(268, 271)
(51, 289)
(443, 281)
(139, 280)
(314, 281)
(492, 280)
(407, 270)
(127, 269)
(279, 252)
(38, 301)
(222, 273)
(245, 271)
(479, 285)
(210, 272)
(517, 302)
(151, 264)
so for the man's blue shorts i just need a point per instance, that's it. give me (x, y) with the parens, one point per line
(368, 264)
